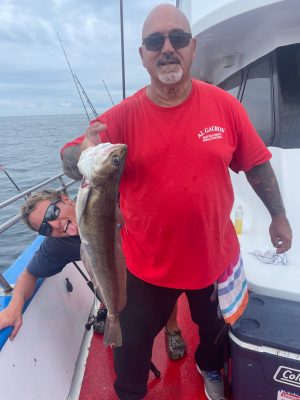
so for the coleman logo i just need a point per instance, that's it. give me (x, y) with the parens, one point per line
(212, 132)
(289, 376)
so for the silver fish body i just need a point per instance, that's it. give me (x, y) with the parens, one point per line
(99, 222)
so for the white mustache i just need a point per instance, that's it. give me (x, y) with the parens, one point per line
(167, 59)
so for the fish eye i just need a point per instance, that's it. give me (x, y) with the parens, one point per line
(115, 161)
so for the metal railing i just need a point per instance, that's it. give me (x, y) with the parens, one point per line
(16, 218)
(12, 221)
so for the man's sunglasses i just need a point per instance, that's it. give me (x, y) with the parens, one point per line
(156, 41)
(51, 214)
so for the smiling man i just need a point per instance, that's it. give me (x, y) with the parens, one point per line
(52, 214)
(176, 197)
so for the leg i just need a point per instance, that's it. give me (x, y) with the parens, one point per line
(146, 313)
(212, 329)
(175, 344)
(172, 321)
(209, 355)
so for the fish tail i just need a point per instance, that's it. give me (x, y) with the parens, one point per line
(112, 333)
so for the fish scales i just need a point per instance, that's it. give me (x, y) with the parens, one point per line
(99, 222)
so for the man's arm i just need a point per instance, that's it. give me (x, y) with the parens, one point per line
(264, 182)
(12, 315)
(71, 154)
(70, 157)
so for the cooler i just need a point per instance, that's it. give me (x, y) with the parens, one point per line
(265, 350)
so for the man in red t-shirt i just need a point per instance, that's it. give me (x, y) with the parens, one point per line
(176, 197)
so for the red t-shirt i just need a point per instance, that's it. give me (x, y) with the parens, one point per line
(175, 193)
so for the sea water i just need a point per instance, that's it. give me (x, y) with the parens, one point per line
(29, 152)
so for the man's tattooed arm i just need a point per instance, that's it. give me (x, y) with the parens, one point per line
(70, 159)
(264, 182)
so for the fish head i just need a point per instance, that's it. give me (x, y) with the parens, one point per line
(102, 162)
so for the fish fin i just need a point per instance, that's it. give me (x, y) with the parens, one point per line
(84, 199)
(112, 333)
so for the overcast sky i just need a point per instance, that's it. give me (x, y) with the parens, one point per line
(34, 76)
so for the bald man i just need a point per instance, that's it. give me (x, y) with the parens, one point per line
(176, 197)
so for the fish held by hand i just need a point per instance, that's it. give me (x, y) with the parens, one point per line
(99, 220)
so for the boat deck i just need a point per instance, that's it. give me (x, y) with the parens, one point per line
(179, 379)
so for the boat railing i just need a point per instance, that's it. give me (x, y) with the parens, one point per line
(64, 183)
(24, 194)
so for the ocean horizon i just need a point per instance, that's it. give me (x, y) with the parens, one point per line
(30, 153)
(45, 115)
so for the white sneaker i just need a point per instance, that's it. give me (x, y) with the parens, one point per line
(213, 384)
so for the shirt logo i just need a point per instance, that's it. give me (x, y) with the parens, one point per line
(212, 132)
(289, 376)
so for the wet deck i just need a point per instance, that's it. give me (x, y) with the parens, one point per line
(179, 379)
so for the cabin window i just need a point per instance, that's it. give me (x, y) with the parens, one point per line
(288, 66)
(233, 84)
(257, 99)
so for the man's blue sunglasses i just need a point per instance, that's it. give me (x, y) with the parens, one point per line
(51, 214)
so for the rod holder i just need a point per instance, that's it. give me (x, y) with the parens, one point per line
(5, 285)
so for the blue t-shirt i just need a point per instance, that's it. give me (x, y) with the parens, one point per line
(53, 255)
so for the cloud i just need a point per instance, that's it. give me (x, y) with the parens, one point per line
(34, 76)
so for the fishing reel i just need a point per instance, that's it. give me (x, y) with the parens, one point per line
(90, 322)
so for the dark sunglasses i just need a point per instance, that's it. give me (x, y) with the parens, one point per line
(51, 214)
(156, 41)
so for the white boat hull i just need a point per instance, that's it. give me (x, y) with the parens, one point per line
(281, 281)
(39, 364)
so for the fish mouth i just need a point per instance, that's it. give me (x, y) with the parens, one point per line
(66, 226)
(121, 149)
(122, 154)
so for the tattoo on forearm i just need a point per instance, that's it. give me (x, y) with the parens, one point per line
(70, 159)
(264, 182)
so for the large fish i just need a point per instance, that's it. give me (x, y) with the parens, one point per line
(99, 222)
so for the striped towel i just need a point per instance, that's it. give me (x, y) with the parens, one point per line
(233, 291)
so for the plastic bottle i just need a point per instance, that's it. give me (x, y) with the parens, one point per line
(238, 221)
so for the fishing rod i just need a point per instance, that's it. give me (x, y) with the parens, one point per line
(122, 49)
(88, 281)
(78, 84)
(3, 281)
(10, 178)
(73, 76)
(86, 97)
(90, 284)
(7, 288)
(153, 368)
(108, 92)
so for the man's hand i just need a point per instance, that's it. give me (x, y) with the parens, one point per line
(11, 317)
(71, 154)
(281, 233)
(92, 137)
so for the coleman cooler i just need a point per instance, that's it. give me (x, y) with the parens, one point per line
(265, 350)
